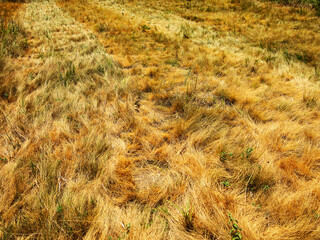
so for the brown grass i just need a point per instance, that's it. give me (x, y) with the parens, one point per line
(156, 119)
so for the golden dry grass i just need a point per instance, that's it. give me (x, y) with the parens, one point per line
(156, 119)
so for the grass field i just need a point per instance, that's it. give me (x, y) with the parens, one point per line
(136, 119)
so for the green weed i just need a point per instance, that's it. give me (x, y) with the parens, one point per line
(257, 205)
(12, 39)
(59, 209)
(188, 216)
(69, 75)
(226, 183)
(269, 59)
(287, 56)
(235, 229)
(247, 153)
(315, 214)
(223, 156)
(266, 187)
(145, 28)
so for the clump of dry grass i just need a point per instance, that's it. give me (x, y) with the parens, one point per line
(13, 42)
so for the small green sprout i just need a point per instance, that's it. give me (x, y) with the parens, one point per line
(59, 209)
(266, 187)
(225, 156)
(235, 230)
(145, 27)
(226, 183)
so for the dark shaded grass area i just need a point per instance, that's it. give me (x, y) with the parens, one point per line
(311, 3)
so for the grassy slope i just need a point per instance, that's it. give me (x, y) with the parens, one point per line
(212, 107)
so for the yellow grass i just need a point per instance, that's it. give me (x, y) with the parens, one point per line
(158, 119)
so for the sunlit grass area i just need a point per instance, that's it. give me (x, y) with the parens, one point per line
(160, 120)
